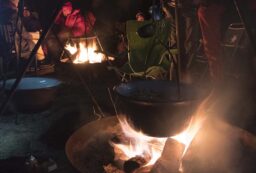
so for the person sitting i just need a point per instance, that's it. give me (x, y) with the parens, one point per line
(70, 22)
(30, 20)
(27, 35)
(31, 28)
(140, 16)
(17, 42)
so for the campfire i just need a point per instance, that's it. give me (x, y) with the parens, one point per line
(85, 50)
(145, 151)
(136, 145)
(207, 144)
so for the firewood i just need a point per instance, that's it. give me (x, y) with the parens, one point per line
(134, 163)
(170, 159)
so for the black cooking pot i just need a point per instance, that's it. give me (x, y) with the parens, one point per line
(155, 107)
(33, 94)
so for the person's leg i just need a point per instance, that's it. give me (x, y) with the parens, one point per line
(53, 47)
(210, 23)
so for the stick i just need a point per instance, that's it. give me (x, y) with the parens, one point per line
(112, 101)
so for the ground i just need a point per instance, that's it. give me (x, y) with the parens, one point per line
(44, 134)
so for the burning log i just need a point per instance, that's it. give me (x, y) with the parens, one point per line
(171, 158)
(130, 165)
(217, 148)
(134, 164)
(136, 151)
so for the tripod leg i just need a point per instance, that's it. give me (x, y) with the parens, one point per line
(245, 18)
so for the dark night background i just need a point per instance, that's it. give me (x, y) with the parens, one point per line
(105, 11)
(110, 15)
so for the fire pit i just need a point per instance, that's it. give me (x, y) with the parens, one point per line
(217, 148)
(85, 50)
(85, 56)
(155, 107)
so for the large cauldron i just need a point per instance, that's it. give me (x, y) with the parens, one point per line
(33, 93)
(155, 107)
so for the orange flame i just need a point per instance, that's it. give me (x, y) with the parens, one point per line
(187, 136)
(85, 52)
(139, 144)
(151, 147)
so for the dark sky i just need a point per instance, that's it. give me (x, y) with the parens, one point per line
(109, 14)
(117, 10)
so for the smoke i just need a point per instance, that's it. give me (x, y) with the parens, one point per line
(219, 146)
(218, 149)
(237, 99)
(234, 103)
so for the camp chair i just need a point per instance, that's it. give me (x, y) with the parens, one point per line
(148, 57)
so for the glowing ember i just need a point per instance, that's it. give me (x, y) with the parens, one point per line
(85, 52)
(139, 144)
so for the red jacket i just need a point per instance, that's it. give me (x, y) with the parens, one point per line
(75, 22)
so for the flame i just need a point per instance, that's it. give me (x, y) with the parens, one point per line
(85, 52)
(71, 49)
(139, 144)
(187, 136)
(151, 148)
